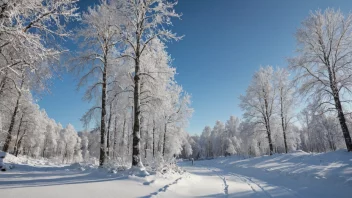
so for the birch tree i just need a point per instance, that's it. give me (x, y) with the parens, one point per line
(323, 64)
(146, 20)
(29, 29)
(26, 59)
(100, 37)
(285, 101)
(258, 103)
(176, 112)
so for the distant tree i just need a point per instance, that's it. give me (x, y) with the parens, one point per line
(258, 103)
(230, 148)
(217, 139)
(176, 112)
(231, 126)
(205, 142)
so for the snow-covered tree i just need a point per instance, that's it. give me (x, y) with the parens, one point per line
(28, 51)
(70, 145)
(230, 148)
(258, 103)
(147, 20)
(97, 59)
(285, 101)
(205, 142)
(323, 62)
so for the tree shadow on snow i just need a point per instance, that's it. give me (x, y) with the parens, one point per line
(63, 177)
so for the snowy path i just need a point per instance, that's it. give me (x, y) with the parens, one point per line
(223, 180)
(214, 182)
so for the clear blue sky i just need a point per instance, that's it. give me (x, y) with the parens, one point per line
(225, 42)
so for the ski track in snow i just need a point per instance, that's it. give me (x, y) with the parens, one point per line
(246, 180)
(226, 189)
(163, 189)
(258, 188)
(253, 185)
(223, 178)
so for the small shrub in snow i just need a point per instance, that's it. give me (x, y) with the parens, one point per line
(115, 165)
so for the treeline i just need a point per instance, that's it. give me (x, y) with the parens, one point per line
(38, 136)
(29, 55)
(140, 111)
(306, 106)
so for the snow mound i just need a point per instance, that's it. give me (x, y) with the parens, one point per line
(28, 164)
(25, 160)
(82, 166)
(11, 159)
(169, 170)
(138, 171)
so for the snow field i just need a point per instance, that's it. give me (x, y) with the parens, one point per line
(293, 175)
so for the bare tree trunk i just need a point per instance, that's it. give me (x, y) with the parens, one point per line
(122, 144)
(123, 134)
(142, 127)
(153, 138)
(115, 139)
(283, 124)
(103, 115)
(267, 125)
(146, 143)
(108, 134)
(342, 120)
(20, 142)
(338, 106)
(63, 156)
(136, 156)
(18, 133)
(13, 119)
(128, 142)
(164, 143)
(270, 140)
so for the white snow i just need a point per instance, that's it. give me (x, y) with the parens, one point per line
(297, 174)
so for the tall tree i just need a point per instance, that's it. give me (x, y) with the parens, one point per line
(28, 29)
(20, 91)
(323, 64)
(100, 37)
(258, 103)
(285, 100)
(147, 20)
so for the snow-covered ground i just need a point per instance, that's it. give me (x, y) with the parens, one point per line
(296, 174)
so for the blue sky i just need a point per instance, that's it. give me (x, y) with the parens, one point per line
(225, 43)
